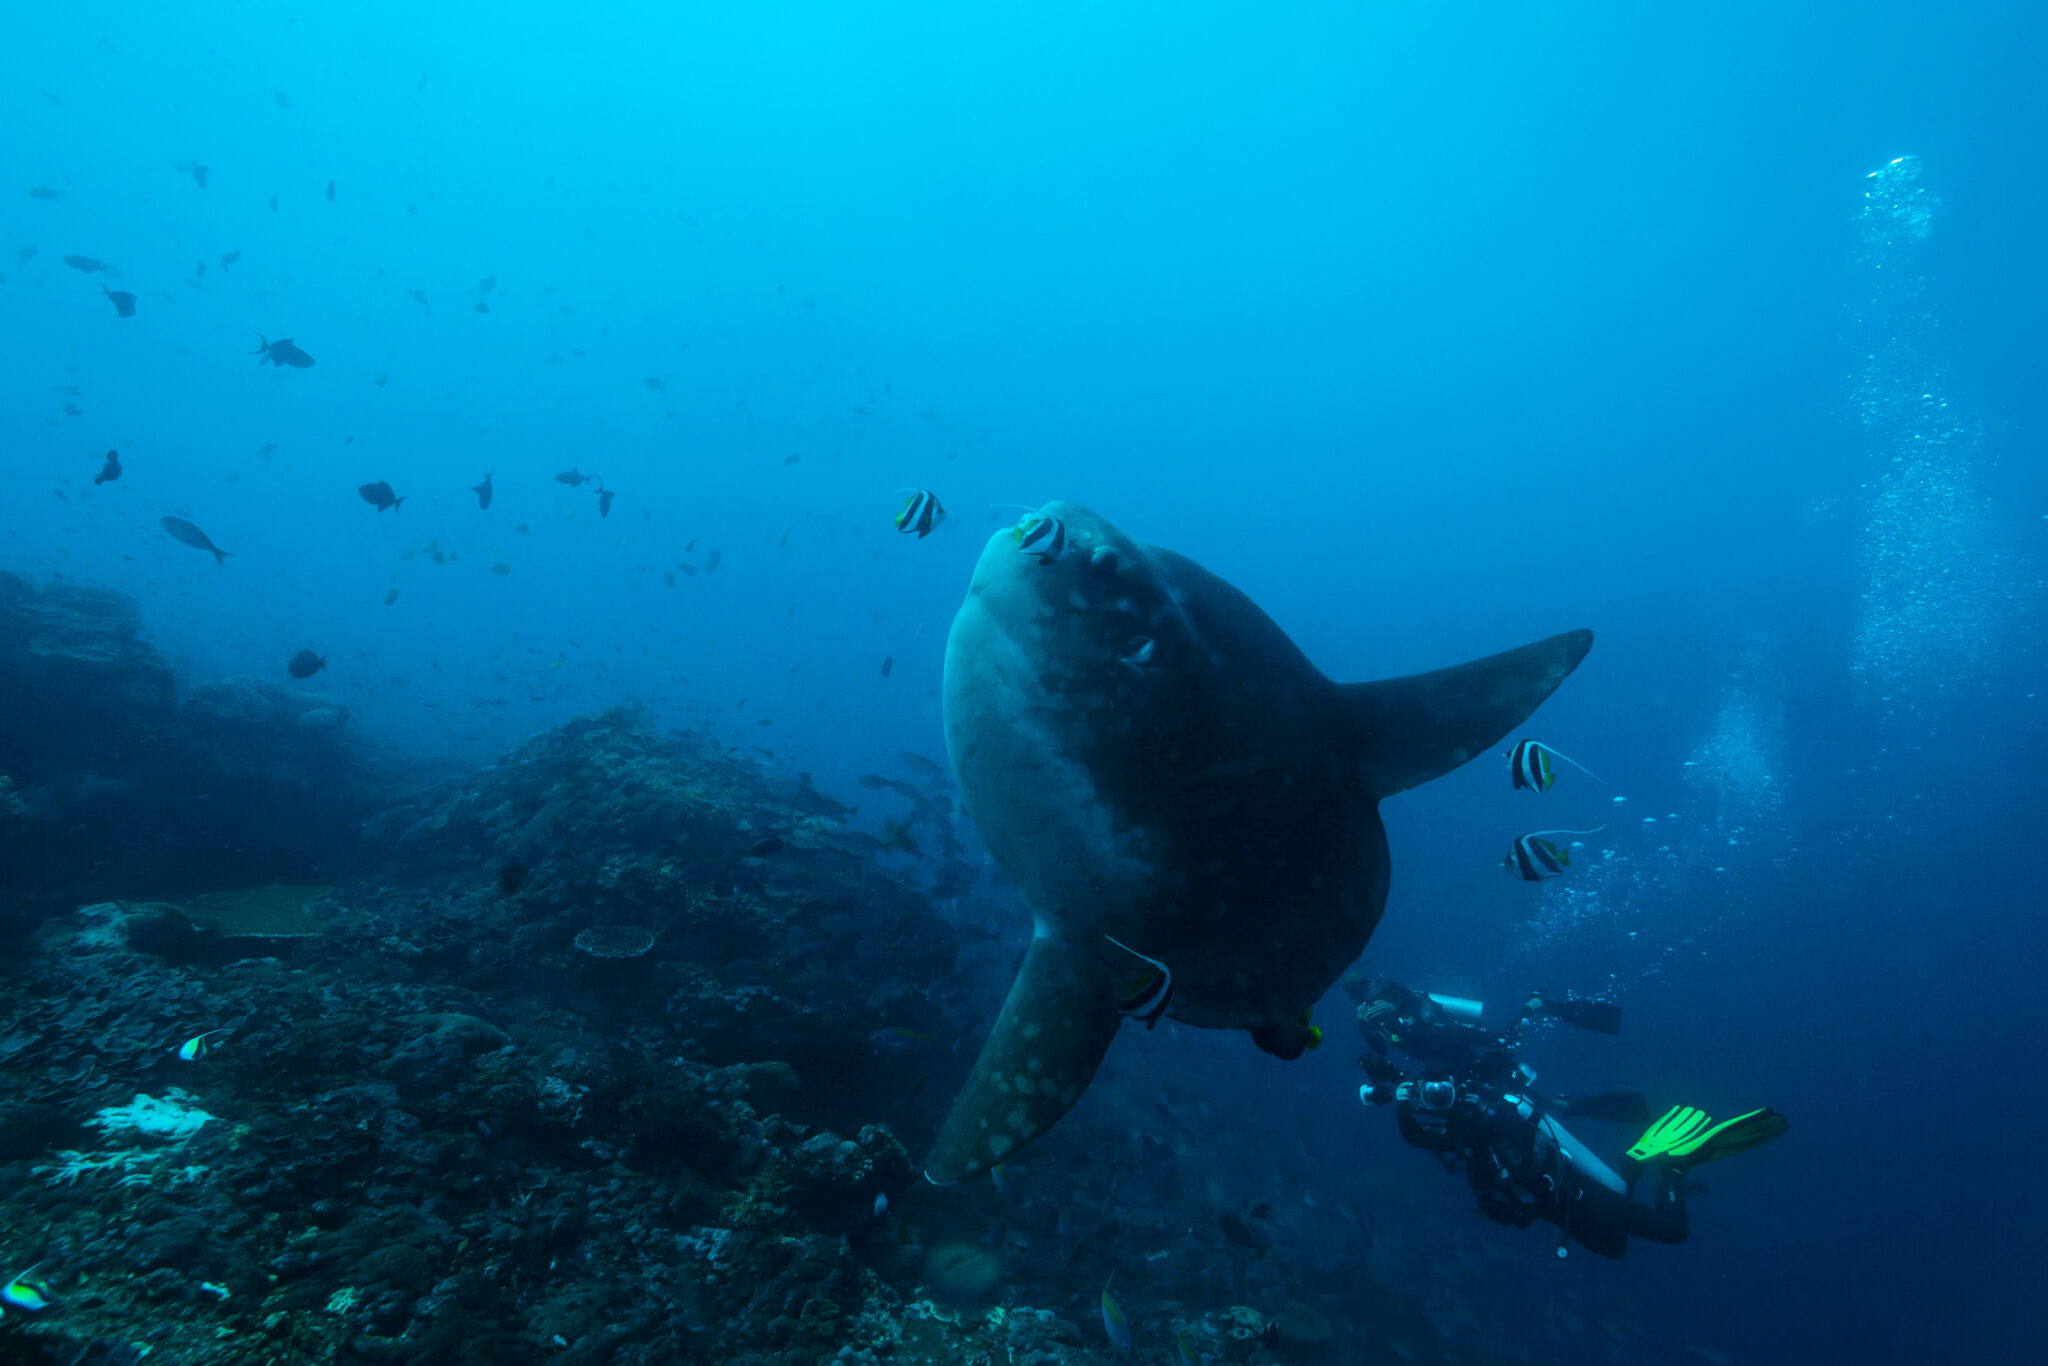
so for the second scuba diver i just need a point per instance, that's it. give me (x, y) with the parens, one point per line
(1471, 1105)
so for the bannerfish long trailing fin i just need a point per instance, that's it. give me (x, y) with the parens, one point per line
(1149, 995)
(1529, 766)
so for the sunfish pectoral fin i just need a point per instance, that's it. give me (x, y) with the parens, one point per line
(1047, 1043)
(1409, 730)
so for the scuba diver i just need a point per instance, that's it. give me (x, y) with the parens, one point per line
(1471, 1104)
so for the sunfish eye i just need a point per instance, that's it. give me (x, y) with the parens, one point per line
(1102, 560)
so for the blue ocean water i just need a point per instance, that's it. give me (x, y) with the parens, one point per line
(1435, 329)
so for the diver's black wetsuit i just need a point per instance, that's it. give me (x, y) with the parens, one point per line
(1519, 1172)
(1472, 1106)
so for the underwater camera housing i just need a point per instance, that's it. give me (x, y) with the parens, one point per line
(1435, 1092)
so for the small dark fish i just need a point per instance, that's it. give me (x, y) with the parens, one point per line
(572, 478)
(921, 514)
(763, 848)
(713, 560)
(73, 410)
(380, 496)
(50, 96)
(85, 263)
(501, 569)
(330, 191)
(390, 596)
(44, 192)
(23, 255)
(1262, 1210)
(487, 284)
(897, 1039)
(789, 460)
(1287, 1039)
(888, 663)
(305, 664)
(483, 492)
(604, 502)
(481, 306)
(280, 99)
(655, 383)
(281, 353)
(917, 763)
(668, 578)
(182, 530)
(196, 171)
(110, 471)
(1535, 859)
(1239, 1232)
(273, 203)
(122, 300)
(269, 449)
(419, 296)
(230, 258)
(689, 569)
(511, 877)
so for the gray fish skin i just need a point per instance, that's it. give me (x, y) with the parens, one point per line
(1216, 808)
(182, 530)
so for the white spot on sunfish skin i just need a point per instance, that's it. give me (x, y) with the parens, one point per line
(1032, 1031)
(1024, 1084)
(1035, 1064)
(999, 1143)
(1017, 1119)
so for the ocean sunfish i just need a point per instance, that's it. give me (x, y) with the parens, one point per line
(1178, 793)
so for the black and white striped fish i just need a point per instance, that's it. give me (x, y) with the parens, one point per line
(1529, 764)
(1041, 537)
(1150, 993)
(1533, 858)
(921, 514)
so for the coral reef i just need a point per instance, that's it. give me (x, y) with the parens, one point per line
(617, 1051)
(110, 785)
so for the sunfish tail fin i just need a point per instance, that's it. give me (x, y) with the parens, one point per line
(1409, 730)
(1047, 1043)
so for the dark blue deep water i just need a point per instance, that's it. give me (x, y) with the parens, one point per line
(1435, 328)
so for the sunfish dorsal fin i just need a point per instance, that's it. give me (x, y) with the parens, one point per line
(1409, 730)
(1053, 1032)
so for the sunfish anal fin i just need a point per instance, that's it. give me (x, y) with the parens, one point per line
(1047, 1043)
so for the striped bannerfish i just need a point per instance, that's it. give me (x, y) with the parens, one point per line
(921, 514)
(1151, 993)
(1041, 537)
(1535, 859)
(1529, 763)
